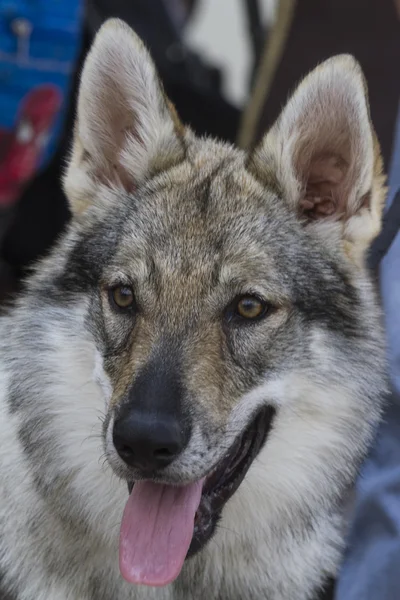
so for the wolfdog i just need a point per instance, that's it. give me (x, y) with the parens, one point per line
(191, 378)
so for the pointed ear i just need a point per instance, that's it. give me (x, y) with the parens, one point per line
(322, 154)
(125, 128)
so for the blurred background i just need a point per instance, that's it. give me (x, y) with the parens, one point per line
(228, 66)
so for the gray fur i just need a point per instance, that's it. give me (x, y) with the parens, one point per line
(202, 227)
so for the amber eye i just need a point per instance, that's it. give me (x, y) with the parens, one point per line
(122, 296)
(250, 307)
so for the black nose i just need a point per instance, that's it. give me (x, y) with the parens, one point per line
(151, 429)
(147, 442)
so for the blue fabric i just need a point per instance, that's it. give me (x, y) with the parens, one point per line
(43, 54)
(371, 570)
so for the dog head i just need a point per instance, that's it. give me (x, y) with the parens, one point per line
(229, 302)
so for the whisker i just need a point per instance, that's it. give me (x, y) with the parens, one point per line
(229, 530)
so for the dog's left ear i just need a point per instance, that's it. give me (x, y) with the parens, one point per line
(125, 129)
(323, 157)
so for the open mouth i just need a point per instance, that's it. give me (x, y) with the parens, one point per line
(223, 482)
(165, 524)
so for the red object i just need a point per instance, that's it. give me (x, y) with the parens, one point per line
(21, 148)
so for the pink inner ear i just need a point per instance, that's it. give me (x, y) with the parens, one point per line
(324, 190)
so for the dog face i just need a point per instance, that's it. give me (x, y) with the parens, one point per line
(228, 298)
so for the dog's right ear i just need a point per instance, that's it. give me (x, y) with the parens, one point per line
(125, 129)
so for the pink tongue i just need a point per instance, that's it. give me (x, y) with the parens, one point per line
(156, 531)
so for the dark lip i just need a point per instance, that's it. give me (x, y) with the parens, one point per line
(226, 477)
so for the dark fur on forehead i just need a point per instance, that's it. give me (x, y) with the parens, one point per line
(207, 215)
